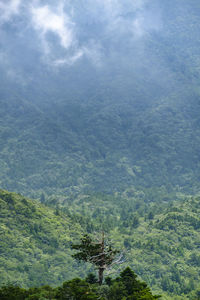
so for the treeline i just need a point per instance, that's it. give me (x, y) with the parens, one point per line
(126, 287)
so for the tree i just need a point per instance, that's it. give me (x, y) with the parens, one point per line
(42, 198)
(10, 292)
(76, 289)
(127, 286)
(150, 215)
(98, 253)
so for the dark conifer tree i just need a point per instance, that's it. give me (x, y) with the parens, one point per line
(98, 253)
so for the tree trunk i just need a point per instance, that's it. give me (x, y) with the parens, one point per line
(101, 270)
(102, 267)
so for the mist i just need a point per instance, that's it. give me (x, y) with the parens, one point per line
(57, 36)
(68, 48)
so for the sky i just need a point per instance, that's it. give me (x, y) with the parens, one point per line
(65, 31)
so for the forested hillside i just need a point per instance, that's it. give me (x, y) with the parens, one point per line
(35, 243)
(159, 242)
(100, 125)
(128, 118)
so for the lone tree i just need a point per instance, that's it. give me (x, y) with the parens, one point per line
(98, 253)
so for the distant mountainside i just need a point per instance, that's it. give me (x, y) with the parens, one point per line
(72, 148)
(159, 242)
(130, 121)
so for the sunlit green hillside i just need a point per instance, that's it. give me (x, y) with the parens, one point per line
(159, 242)
(35, 242)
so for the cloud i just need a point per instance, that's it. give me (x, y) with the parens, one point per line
(48, 20)
(11, 72)
(45, 20)
(131, 17)
(64, 31)
(8, 9)
(70, 60)
(94, 52)
(118, 19)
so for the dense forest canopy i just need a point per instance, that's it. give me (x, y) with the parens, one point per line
(159, 241)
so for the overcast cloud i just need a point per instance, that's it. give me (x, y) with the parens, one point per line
(8, 9)
(44, 20)
(70, 30)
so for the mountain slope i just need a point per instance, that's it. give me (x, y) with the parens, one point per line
(77, 148)
(128, 118)
(35, 242)
(159, 241)
(163, 246)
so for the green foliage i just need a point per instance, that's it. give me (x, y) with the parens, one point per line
(164, 250)
(76, 289)
(161, 249)
(11, 292)
(130, 287)
(97, 253)
(91, 278)
(36, 243)
(125, 287)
